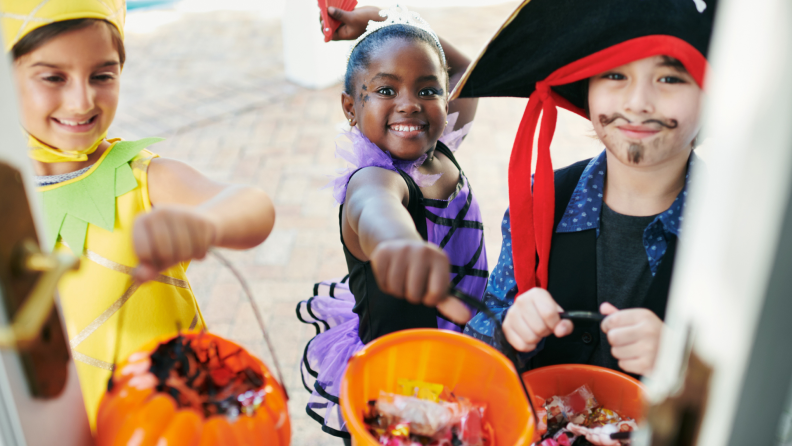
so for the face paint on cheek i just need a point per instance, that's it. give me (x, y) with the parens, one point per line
(635, 153)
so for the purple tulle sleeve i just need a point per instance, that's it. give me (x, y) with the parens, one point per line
(453, 138)
(359, 152)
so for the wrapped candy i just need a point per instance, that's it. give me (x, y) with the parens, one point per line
(578, 405)
(602, 416)
(420, 389)
(555, 410)
(398, 420)
(627, 425)
(565, 420)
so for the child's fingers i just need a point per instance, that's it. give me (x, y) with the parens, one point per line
(517, 335)
(438, 280)
(620, 336)
(639, 366)
(416, 280)
(623, 318)
(144, 272)
(563, 328)
(547, 309)
(162, 250)
(395, 277)
(180, 240)
(607, 308)
(141, 239)
(628, 351)
(535, 322)
(336, 13)
(436, 287)
(454, 310)
(516, 319)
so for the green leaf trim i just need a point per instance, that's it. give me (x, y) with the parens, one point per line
(68, 209)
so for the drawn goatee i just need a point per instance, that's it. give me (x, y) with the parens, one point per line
(635, 153)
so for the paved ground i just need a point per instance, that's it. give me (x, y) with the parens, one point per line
(213, 84)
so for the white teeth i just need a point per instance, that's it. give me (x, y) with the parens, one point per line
(405, 128)
(74, 123)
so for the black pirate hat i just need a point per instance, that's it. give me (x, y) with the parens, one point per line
(543, 52)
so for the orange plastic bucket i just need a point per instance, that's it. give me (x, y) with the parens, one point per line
(465, 365)
(133, 412)
(615, 391)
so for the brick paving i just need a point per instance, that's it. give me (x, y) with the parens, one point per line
(213, 85)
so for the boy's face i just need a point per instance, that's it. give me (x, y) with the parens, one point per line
(645, 112)
(69, 87)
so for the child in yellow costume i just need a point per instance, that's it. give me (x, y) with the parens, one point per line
(135, 219)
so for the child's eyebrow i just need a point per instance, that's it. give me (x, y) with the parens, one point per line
(672, 63)
(108, 63)
(44, 64)
(430, 77)
(386, 76)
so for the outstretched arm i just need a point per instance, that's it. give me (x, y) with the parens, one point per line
(353, 25)
(192, 213)
(404, 264)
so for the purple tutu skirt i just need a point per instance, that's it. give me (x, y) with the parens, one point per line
(326, 355)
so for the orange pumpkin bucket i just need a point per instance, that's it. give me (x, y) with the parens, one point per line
(195, 389)
(138, 410)
(616, 391)
(462, 364)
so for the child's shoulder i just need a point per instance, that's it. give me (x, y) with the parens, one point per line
(142, 160)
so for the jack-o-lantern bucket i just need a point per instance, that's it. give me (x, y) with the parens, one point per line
(194, 389)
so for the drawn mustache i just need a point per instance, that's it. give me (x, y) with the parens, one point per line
(607, 120)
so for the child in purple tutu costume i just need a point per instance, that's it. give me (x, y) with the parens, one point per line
(408, 216)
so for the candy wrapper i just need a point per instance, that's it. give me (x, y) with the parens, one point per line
(579, 404)
(399, 420)
(567, 420)
(555, 410)
(423, 417)
(602, 416)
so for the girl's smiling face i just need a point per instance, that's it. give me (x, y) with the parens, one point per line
(69, 87)
(647, 111)
(400, 101)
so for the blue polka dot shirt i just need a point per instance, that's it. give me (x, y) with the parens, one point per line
(581, 214)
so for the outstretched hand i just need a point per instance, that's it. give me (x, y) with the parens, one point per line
(167, 236)
(417, 271)
(353, 23)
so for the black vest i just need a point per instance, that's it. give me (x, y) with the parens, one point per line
(572, 280)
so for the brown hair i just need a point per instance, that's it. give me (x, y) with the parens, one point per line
(40, 36)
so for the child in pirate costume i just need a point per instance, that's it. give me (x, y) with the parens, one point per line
(599, 235)
(410, 224)
(136, 220)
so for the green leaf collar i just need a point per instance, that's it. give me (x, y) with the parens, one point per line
(69, 208)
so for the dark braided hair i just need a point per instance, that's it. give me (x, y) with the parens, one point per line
(361, 56)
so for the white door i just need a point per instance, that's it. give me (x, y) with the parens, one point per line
(25, 420)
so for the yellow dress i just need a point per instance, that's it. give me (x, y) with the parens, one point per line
(107, 315)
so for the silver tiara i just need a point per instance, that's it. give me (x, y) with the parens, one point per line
(398, 15)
